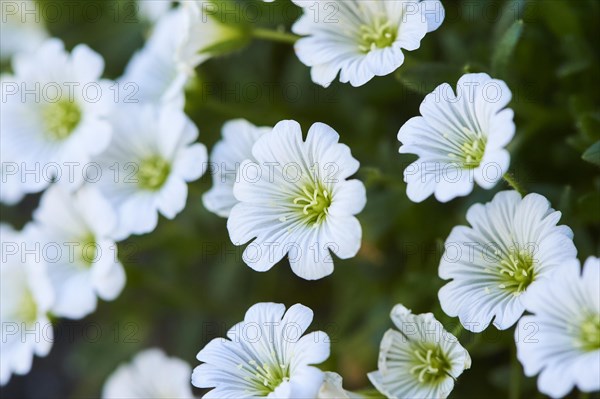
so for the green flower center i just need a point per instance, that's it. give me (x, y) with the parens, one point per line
(431, 365)
(264, 378)
(313, 203)
(380, 34)
(517, 271)
(153, 173)
(89, 250)
(27, 310)
(61, 118)
(590, 333)
(470, 153)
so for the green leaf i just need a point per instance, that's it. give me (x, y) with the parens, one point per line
(505, 48)
(592, 154)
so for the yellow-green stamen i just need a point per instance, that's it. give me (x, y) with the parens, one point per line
(61, 118)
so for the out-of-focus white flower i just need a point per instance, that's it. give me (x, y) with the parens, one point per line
(239, 136)
(145, 169)
(11, 189)
(75, 230)
(460, 139)
(361, 39)
(181, 40)
(53, 120)
(266, 355)
(512, 246)
(151, 374)
(153, 10)
(26, 297)
(205, 36)
(153, 75)
(561, 340)
(295, 200)
(22, 29)
(332, 388)
(421, 360)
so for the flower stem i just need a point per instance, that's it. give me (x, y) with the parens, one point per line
(510, 179)
(457, 330)
(274, 35)
(515, 377)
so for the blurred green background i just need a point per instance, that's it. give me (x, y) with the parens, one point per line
(186, 282)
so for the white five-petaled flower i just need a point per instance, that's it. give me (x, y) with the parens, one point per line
(26, 299)
(361, 39)
(561, 340)
(460, 139)
(145, 169)
(239, 136)
(151, 374)
(75, 235)
(266, 355)
(513, 245)
(203, 33)
(153, 75)
(53, 120)
(295, 200)
(421, 360)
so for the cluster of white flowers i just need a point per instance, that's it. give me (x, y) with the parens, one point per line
(109, 163)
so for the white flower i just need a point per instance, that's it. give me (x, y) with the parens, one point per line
(53, 119)
(265, 355)
(153, 10)
(332, 388)
(151, 374)
(561, 340)
(295, 198)
(512, 246)
(26, 298)
(361, 38)
(75, 232)
(422, 360)
(239, 136)
(460, 139)
(22, 29)
(152, 74)
(145, 170)
(203, 34)
(12, 190)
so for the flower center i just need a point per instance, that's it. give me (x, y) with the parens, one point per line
(517, 271)
(61, 118)
(264, 378)
(590, 333)
(431, 365)
(27, 310)
(89, 250)
(470, 152)
(313, 202)
(380, 34)
(153, 173)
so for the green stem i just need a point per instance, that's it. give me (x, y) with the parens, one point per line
(584, 395)
(274, 35)
(510, 179)
(515, 377)
(457, 330)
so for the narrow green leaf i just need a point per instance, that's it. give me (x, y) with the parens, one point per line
(505, 48)
(592, 154)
